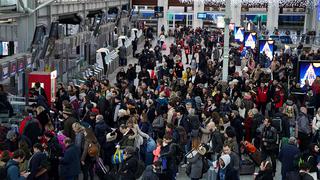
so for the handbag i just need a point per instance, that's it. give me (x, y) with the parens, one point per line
(117, 158)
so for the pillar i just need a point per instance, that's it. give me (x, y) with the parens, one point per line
(26, 28)
(226, 42)
(272, 15)
(198, 6)
(163, 21)
(236, 12)
(311, 17)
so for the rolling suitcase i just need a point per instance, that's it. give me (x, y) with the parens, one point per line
(247, 167)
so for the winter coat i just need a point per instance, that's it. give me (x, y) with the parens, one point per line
(196, 166)
(148, 174)
(13, 171)
(303, 124)
(101, 129)
(67, 127)
(70, 163)
(316, 123)
(269, 134)
(36, 162)
(217, 141)
(230, 173)
(158, 122)
(128, 168)
(264, 175)
(262, 95)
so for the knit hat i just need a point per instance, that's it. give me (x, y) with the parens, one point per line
(226, 159)
(99, 118)
(67, 111)
(11, 134)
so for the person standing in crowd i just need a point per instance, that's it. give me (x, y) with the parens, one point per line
(54, 151)
(67, 123)
(195, 158)
(129, 167)
(287, 156)
(304, 129)
(225, 171)
(268, 140)
(38, 164)
(70, 162)
(13, 169)
(265, 172)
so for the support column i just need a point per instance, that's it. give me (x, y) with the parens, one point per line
(272, 15)
(163, 21)
(311, 17)
(26, 28)
(225, 67)
(198, 6)
(236, 12)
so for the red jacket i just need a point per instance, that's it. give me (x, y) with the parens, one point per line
(278, 99)
(262, 95)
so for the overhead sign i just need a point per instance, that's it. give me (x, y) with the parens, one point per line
(202, 16)
(220, 22)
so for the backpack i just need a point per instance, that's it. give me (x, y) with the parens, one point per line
(93, 150)
(277, 123)
(182, 135)
(205, 165)
(140, 169)
(290, 111)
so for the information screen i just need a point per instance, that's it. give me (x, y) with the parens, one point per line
(267, 46)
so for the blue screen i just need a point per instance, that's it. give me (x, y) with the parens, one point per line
(309, 71)
(239, 34)
(250, 39)
(267, 46)
(202, 15)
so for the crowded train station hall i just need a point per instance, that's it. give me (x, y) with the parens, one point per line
(159, 90)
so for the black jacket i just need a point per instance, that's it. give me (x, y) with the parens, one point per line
(70, 163)
(264, 175)
(128, 168)
(36, 163)
(101, 129)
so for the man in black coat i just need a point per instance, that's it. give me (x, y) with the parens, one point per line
(67, 123)
(38, 164)
(70, 162)
(130, 164)
(54, 150)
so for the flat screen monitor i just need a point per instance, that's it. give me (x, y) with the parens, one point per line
(308, 70)
(239, 34)
(250, 39)
(158, 9)
(267, 47)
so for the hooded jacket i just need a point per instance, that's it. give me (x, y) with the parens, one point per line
(227, 172)
(13, 171)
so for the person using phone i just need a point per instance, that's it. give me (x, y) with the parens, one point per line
(13, 169)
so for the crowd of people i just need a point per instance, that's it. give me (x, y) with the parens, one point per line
(180, 116)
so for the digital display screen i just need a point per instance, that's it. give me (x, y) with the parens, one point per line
(202, 16)
(158, 9)
(5, 72)
(239, 34)
(5, 48)
(267, 47)
(250, 39)
(13, 68)
(308, 71)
